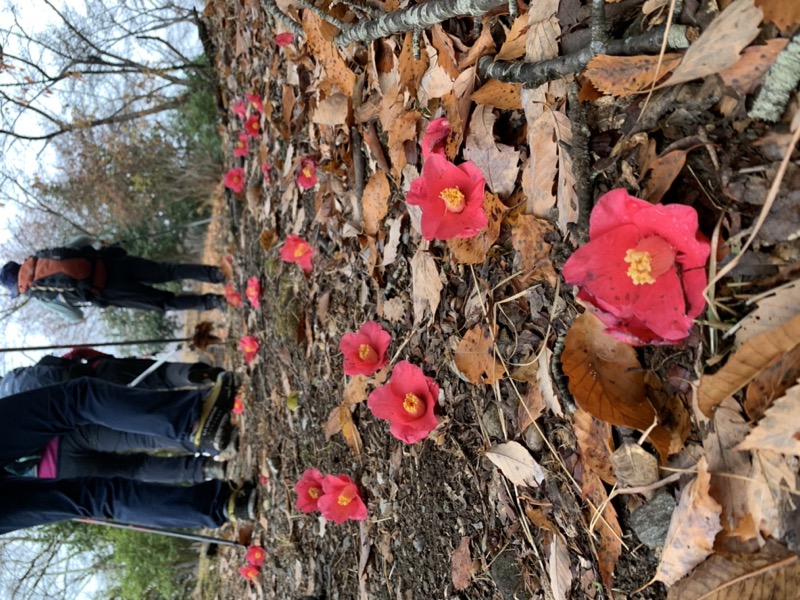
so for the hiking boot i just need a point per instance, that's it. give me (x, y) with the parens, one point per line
(242, 503)
(231, 449)
(214, 428)
(201, 373)
(215, 301)
(213, 470)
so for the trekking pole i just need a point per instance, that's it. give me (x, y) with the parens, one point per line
(98, 344)
(194, 537)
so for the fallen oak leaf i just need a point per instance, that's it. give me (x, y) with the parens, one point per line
(516, 463)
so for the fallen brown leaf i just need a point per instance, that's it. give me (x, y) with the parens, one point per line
(663, 171)
(558, 568)
(610, 547)
(745, 74)
(606, 379)
(470, 251)
(528, 238)
(623, 76)
(772, 383)
(498, 162)
(514, 46)
(692, 529)
(773, 310)
(779, 430)
(337, 73)
(784, 13)
(516, 463)
(461, 569)
(475, 358)
(634, 466)
(595, 442)
(375, 202)
(748, 361)
(505, 96)
(426, 285)
(771, 573)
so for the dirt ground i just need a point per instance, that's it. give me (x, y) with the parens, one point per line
(424, 500)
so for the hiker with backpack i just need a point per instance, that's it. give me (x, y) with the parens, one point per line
(30, 420)
(64, 278)
(96, 450)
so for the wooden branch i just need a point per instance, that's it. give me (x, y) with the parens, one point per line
(781, 80)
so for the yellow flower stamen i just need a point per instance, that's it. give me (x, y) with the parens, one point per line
(366, 353)
(307, 172)
(641, 267)
(345, 499)
(299, 251)
(413, 405)
(314, 492)
(453, 199)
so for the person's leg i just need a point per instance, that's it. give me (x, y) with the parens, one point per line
(103, 439)
(169, 375)
(28, 502)
(149, 271)
(29, 420)
(127, 294)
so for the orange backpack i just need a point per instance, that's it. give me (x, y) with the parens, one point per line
(46, 271)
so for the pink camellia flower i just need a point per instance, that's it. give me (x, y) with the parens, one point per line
(239, 108)
(255, 102)
(249, 345)
(309, 490)
(284, 39)
(238, 406)
(233, 297)
(365, 351)
(253, 292)
(242, 146)
(407, 401)
(435, 136)
(255, 556)
(266, 170)
(341, 500)
(297, 250)
(250, 572)
(643, 271)
(234, 180)
(451, 199)
(252, 125)
(307, 174)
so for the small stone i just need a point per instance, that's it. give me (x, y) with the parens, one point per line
(651, 521)
(533, 439)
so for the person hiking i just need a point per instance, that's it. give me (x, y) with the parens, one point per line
(98, 450)
(88, 362)
(201, 418)
(64, 278)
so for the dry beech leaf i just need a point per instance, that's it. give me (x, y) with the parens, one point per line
(349, 431)
(718, 47)
(634, 466)
(461, 565)
(558, 568)
(747, 362)
(334, 423)
(606, 379)
(541, 169)
(356, 390)
(375, 202)
(528, 238)
(610, 547)
(475, 358)
(566, 196)
(623, 76)
(771, 573)
(784, 13)
(483, 45)
(772, 383)
(426, 284)
(769, 502)
(333, 110)
(505, 96)
(498, 162)
(745, 74)
(780, 307)
(692, 529)
(531, 406)
(516, 463)
(729, 483)
(411, 71)
(595, 442)
(514, 46)
(662, 172)
(471, 251)
(336, 70)
(779, 430)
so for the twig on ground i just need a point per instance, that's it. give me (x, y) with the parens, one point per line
(535, 74)
(781, 80)
(272, 9)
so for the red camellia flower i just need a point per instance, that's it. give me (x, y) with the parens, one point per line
(253, 125)
(297, 250)
(250, 572)
(253, 292)
(266, 170)
(234, 180)
(238, 406)
(341, 500)
(307, 175)
(435, 136)
(255, 102)
(233, 297)
(407, 402)
(284, 39)
(365, 351)
(643, 271)
(255, 556)
(239, 108)
(451, 198)
(309, 490)
(249, 345)
(242, 146)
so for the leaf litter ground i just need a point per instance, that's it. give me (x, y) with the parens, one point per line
(446, 520)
